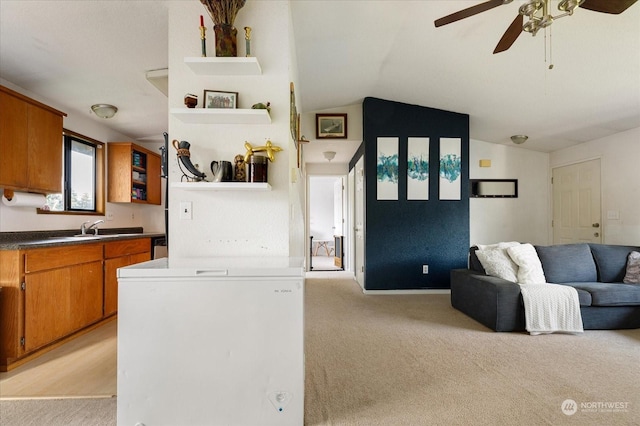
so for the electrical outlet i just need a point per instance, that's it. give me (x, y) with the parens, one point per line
(109, 215)
(425, 269)
(186, 210)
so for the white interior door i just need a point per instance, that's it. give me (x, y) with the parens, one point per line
(338, 200)
(349, 256)
(359, 222)
(576, 203)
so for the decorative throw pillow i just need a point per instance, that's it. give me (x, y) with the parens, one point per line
(496, 262)
(633, 268)
(529, 266)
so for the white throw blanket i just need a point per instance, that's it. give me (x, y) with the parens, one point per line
(551, 308)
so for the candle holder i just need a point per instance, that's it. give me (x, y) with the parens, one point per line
(247, 40)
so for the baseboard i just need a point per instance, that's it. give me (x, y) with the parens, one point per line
(413, 291)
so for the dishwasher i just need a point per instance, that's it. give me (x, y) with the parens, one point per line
(211, 341)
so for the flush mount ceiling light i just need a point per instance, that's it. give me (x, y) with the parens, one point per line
(104, 110)
(518, 139)
(329, 155)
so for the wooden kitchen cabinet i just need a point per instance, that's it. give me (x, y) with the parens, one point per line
(31, 144)
(63, 292)
(50, 294)
(133, 174)
(118, 254)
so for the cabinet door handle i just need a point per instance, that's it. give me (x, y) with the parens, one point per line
(596, 225)
(211, 273)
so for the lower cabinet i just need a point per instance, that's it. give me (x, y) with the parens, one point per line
(118, 254)
(61, 301)
(50, 293)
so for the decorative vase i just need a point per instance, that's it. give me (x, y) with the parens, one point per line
(226, 42)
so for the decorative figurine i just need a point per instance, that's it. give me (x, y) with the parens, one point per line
(184, 155)
(269, 148)
(190, 100)
(203, 38)
(240, 174)
(261, 105)
(247, 40)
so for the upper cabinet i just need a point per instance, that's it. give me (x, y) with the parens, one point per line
(133, 174)
(31, 144)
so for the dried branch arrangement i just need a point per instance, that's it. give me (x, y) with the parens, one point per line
(223, 11)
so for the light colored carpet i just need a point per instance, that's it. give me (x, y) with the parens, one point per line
(59, 412)
(414, 360)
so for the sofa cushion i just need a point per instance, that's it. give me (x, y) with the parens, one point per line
(633, 268)
(611, 261)
(567, 263)
(529, 267)
(583, 295)
(611, 294)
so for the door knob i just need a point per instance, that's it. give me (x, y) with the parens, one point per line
(596, 234)
(596, 225)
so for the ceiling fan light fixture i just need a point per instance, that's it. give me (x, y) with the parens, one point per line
(519, 139)
(104, 110)
(329, 155)
(529, 9)
(569, 5)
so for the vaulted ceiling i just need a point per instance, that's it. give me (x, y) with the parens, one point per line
(78, 53)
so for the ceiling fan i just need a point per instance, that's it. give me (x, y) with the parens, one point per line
(538, 14)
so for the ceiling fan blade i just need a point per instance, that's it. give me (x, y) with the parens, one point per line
(465, 13)
(608, 6)
(511, 35)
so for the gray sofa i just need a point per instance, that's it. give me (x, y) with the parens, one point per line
(595, 270)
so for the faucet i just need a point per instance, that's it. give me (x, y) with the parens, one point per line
(84, 228)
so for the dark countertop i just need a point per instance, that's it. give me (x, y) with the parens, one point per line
(37, 239)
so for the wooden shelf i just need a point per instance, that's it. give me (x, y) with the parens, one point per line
(221, 116)
(223, 66)
(222, 186)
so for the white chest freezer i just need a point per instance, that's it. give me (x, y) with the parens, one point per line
(211, 341)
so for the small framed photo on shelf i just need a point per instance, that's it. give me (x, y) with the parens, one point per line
(331, 126)
(218, 99)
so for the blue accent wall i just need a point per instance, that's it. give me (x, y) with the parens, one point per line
(403, 235)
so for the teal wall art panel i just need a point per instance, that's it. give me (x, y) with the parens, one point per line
(417, 168)
(387, 169)
(450, 168)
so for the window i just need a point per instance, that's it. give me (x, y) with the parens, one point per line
(83, 180)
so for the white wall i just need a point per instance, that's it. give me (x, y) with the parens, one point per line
(321, 209)
(297, 188)
(619, 159)
(151, 218)
(234, 223)
(525, 218)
